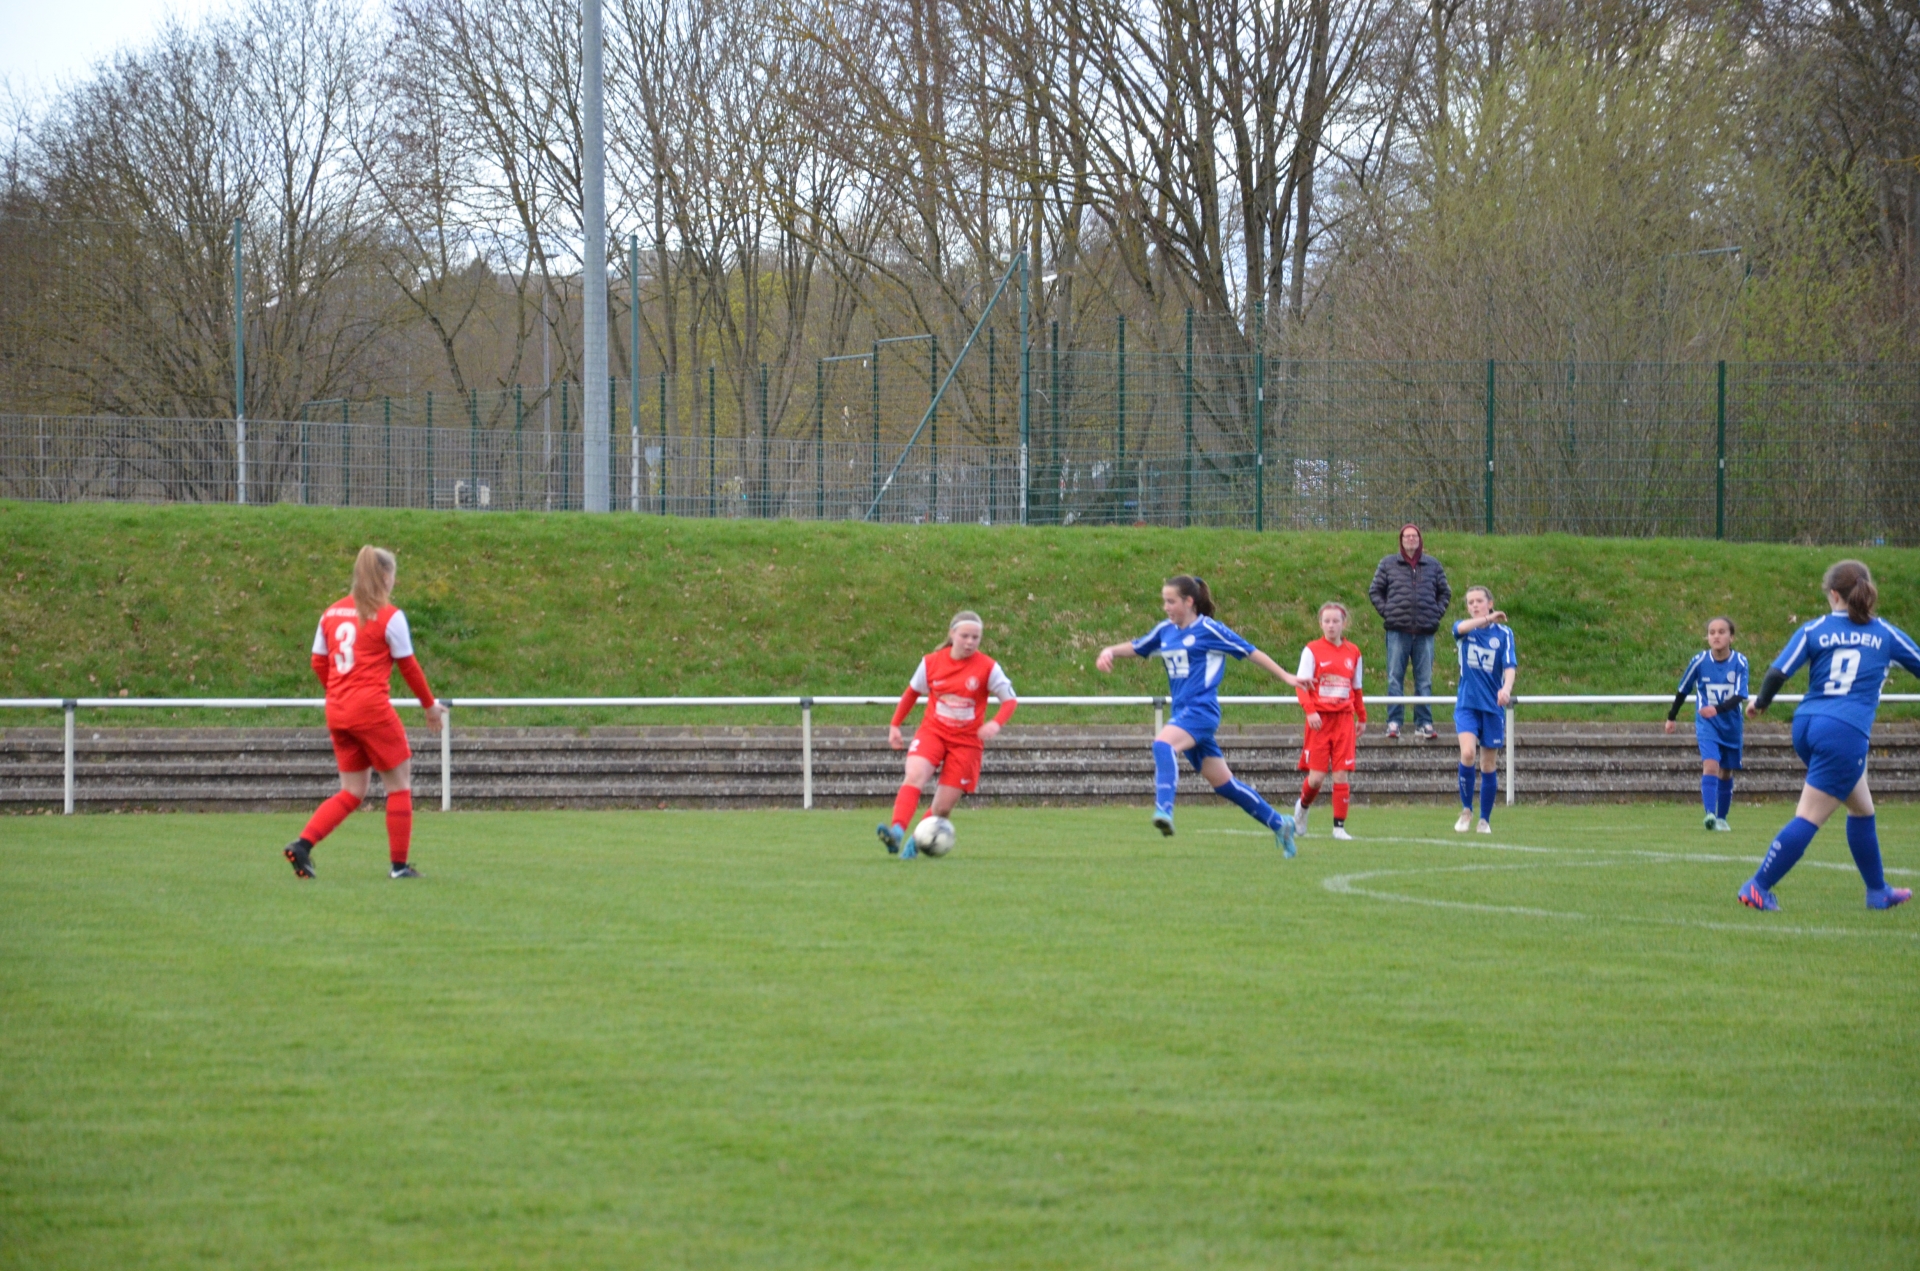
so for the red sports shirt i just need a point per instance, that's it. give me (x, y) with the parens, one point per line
(1330, 675)
(957, 690)
(356, 660)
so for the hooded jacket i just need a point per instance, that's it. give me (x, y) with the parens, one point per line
(1411, 596)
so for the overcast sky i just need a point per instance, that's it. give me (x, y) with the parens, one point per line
(47, 42)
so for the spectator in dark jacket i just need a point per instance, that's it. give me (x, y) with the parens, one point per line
(1410, 590)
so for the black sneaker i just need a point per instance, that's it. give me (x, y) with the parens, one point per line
(300, 855)
(403, 871)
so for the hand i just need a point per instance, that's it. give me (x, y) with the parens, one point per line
(989, 730)
(1708, 712)
(1753, 712)
(1104, 663)
(894, 738)
(1505, 697)
(1314, 721)
(437, 716)
(1498, 616)
(1360, 729)
(1669, 727)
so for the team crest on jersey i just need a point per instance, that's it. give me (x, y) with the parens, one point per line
(1188, 642)
(972, 683)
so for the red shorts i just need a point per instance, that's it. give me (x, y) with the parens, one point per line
(957, 763)
(1330, 748)
(380, 745)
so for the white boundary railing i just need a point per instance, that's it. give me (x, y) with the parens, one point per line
(71, 706)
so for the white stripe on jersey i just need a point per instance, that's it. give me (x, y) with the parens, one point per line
(998, 684)
(399, 636)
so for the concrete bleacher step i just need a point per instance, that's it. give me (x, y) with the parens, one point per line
(761, 766)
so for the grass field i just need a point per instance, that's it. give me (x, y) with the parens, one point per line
(752, 1039)
(221, 601)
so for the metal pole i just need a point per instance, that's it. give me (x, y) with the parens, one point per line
(993, 423)
(1120, 408)
(346, 453)
(766, 503)
(386, 410)
(69, 706)
(519, 449)
(663, 443)
(430, 435)
(239, 370)
(595, 470)
(1026, 358)
(1487, 496)
(876, 424)
(819, 439)
(806, 752)
(1512, 738)
(1186, 411)
(1720, 454)
(1259, 416)
(633, 371)
(473, 448)
(712, 436)
(933, 430)
(1053, 418)
(1159, 704)
(446, 758)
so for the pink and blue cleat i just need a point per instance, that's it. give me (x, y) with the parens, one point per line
(1888, 897)
(1754, 896)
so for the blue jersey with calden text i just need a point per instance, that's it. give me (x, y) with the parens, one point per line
(1196, 660)
(1485, 655)
(1715, 684)
(1848, 664)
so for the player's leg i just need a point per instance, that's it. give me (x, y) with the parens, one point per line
(1863, 840)
(398, 782)
(1490, 748)
(1214, 770)
(351, 756)
(1171, 742)
(959, 777)
(1469, 771)
(1310, 787)
(1817, 802)
(1710, 790)
(1342, 800)
(922, 758)
(1729, 764)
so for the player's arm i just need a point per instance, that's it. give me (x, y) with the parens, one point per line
(1687, 678)
(1359, 699)
(1273, 668)
(1465, 625)
(1303, 689)
(1798, 652)
(400, 645)
(321, 664)
(998, 685)
(1505, 695)
(915, 687)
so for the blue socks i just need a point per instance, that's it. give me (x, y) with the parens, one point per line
(1166, 776)
(1710, 793)
(1248, 800)
(1725, 800)
(1789, 846)
(1467, 772)
(1489, 787)
(1863, 840)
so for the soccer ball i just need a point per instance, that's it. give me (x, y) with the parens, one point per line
(934, 836)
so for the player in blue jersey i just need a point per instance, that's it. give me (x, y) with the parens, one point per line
(1488, 662)
(1849, 654)
(1195, 648)
(1717, 677)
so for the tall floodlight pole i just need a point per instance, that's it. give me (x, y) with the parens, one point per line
(239, 366)
(596, 468)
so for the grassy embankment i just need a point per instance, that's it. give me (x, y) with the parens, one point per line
(186, 601)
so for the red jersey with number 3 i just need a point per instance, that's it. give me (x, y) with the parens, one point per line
(956, 690)
(1330, 679)
(360, 657)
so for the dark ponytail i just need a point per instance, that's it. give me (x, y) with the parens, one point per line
(1194, 588)
(1854, 582)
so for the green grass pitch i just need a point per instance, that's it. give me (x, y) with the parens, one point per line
(752, 1039)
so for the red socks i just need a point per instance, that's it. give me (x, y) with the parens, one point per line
(1341, 795)
(327, 817)
(1308, 793)
(399, 825)
(904, 805)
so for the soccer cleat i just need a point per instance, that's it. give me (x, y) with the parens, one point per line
(1888, 897)
(908, 848)
(299, 854)
(891, 837)
(1163, 821)
(1340, 832)
(1299, 819)
(1754, 896)
(1485, 826)
(1464, 824)
(1713, 822)
(1720, 825)
(403, 871)
(1283, 836)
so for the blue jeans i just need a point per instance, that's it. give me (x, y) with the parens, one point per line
(1404, 647)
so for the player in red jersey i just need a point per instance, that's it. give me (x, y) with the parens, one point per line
(361, 639)
(1329, 691)
(956, 679)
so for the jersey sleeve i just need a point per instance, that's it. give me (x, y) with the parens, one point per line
(1512, 656)
(1150, 642)
(399, 636)
(1359, 669)
(1307, 665)
(1231, 642)
(1740, 674)
(998, 685)
(1797, 653)
(1689, 676)
(320, 649)
(1905, 652)
(919, 681)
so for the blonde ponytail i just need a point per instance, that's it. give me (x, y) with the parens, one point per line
(373, 571)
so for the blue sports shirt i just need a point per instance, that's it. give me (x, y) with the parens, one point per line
(1485, 655)
(1849, 665)
(1715, 684)
(1196, 659)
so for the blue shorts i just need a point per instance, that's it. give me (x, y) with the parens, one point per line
(1716, 750)
(1834, 751)
(1200, 728)
(1489, 727)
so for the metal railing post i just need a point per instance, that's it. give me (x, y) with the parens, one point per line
(1512, 738)
(1720, 453)
(1158, 704)
(1186, 413)
(68, 707)
(1026, 381)
(819, 439)
(806, 753)
(446, 758)
(1488, 493)
(1259, 416)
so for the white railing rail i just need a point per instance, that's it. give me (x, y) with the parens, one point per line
(71, 706)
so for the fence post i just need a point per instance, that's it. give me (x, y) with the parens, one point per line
(874, 363)
(519, 450)
(806, 753)
(819, 439)
(1025, 383)
(563, 411)
(446, 757)
(933, 430)
(239, 370)
(712, 437)
(1488, 495)
(1512, 738)
(68, 707)
(633, 372)
(346, 453)
(993, 425)
(1720, 453)
(663, 443)
(1186, 412)
(386, 410)
(303, 456)
(473, 448)
(1259, 416)
(1120, 410)
(765, 501)
(1053, 419)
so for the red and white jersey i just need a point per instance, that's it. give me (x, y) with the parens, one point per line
(957, 689)
(1330, 678)
(360, 657)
